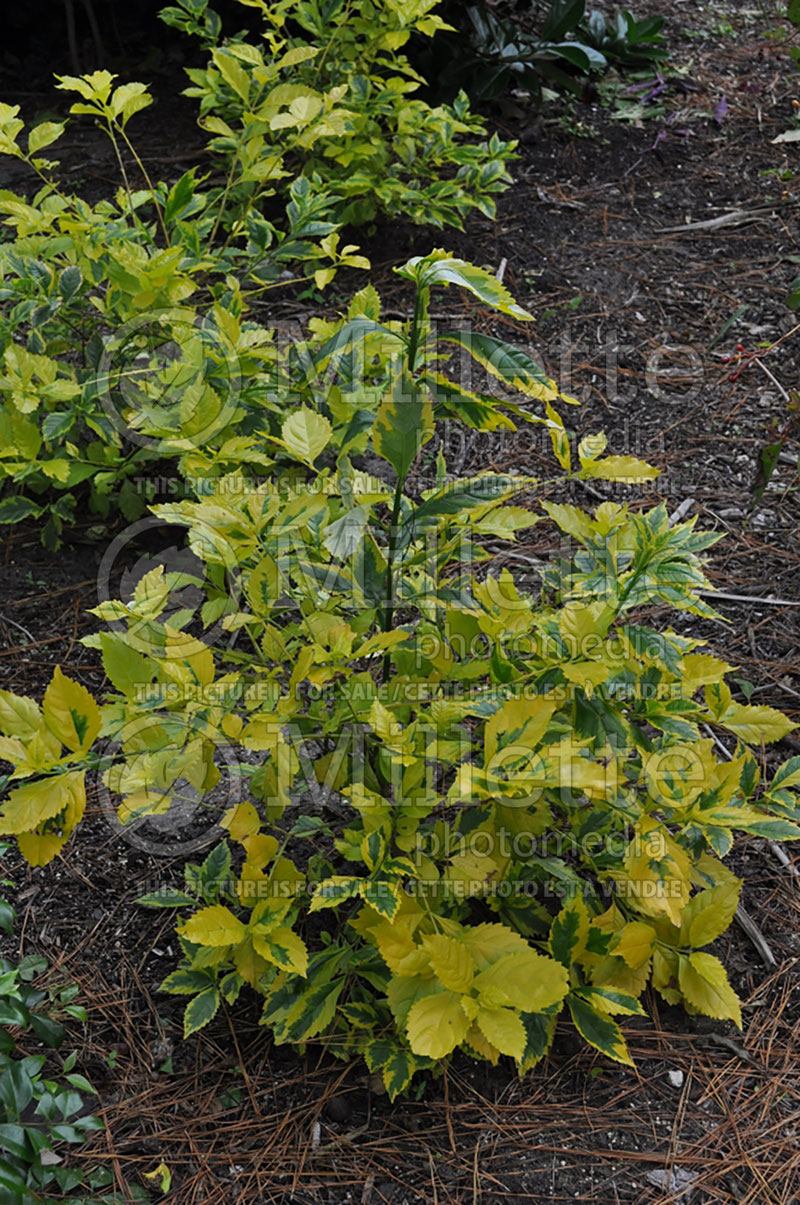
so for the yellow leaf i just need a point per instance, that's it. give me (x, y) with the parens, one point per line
(42, 754)
(709, 913)
(282, 947)
(635, 943)
(19, 715)
(470, 874)
(592, 446)
(620, 468)
(398, 949)
(305, 434)
(250, 965)
(701, 669)
(13, 750)
(242, 821)
(587, 674)
(305, 108)
(263, 588)
(71, 713)
(481, 1045)
(708, 871)
(287, 881)
(323, 277)
(163, 1175)
(521, 722)
(657, 872)
(611, 972)
(436, 1025)
(574, 522)
(213, 926)
(450, 961)
(40, 848)
(144, 802)
(504, 1029)
(262, 734)
(528, 981)
(29, 805)
(704, 984)
(488, 942)
(558, 437)
(251, 884)
(756, 724)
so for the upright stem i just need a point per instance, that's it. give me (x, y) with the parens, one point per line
(388, 611)
(417, 324)
(149, 183)
(110, 128)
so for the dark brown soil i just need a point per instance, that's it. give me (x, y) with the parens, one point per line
(632, 320)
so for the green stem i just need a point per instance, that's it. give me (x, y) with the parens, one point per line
(149, 182)
(421, 302)
(388, 610)
(420, 315)
(136, 219)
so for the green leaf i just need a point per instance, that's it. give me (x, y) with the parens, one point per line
(539, 1030)
(404, 423)
(568, 935)
(346, 534)
(607, 1000)
(47, 1030)
(442, 268)
(16, 508)
(58, 423)
(507, 363)
(599, 1030)
(316, 1011)
(166, 897)
(282, 947)
(333, 891)
(472, 409)
(200, 1011)
(69, 282)
(383, 897)
(397, 1072)
(788, 774)
(563, 17)
(186, 983)
(463, 496)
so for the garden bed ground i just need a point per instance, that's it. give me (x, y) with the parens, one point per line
(631, 319)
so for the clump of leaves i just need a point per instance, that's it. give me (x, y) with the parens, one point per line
(327, 93)
(39, 1114)
(494, 51)
(624, 40)
(123, 330)
(458, 802)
